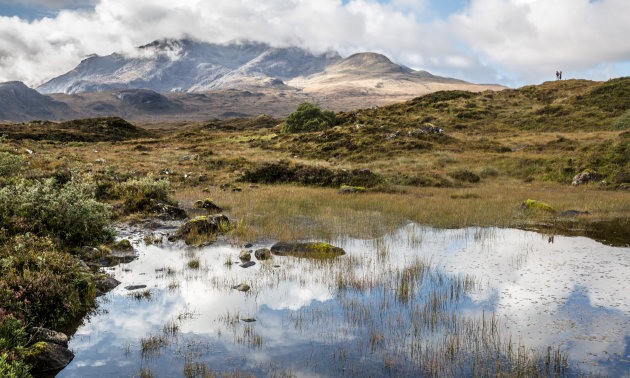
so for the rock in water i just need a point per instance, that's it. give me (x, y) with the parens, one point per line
(262, 254)
(47, 357)
(247, 264)
(207, 227)
(245, 255)
(311, 249)
(135, 287)
(241, 287)
(106, 283)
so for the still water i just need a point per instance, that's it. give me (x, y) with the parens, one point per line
(409, 303)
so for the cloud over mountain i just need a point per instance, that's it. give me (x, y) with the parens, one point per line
(486, 41)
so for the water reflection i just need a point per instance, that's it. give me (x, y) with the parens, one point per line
(571, 292)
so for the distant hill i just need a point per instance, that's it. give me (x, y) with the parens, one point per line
(21, 103)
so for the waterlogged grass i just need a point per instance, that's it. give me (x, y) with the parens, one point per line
(293, 212)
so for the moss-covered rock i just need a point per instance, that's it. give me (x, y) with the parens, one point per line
(537, 205)
(124, 245)
(310, 250)
(208, 205)
(46, 357)
(204, 228)
(347, 189)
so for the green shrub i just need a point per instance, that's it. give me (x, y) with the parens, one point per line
(10, 164)
(308, 117)
(465, 175)
(66, 212)
(140, 194)
(623, 122)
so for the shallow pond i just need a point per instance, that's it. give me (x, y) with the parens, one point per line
(419, 301)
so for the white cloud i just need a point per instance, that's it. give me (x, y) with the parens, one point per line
(520, 38)
(536, 37)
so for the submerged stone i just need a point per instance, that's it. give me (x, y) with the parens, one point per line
(135, 287)
(247, 264)
(311, 249)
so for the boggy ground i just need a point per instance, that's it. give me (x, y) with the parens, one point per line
(449, 159)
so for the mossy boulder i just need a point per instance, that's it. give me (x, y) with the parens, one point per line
(347, 189)
(166, 211)
(204, 228)
(310, 250)
(47, 357)
(123, 245)
(262, 254)
(537, 205)
(208, 205)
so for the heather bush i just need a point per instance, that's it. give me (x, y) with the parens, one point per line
(41, 285)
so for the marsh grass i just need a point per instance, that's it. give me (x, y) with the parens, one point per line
(293, 212)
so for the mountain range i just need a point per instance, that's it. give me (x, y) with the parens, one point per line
(191, 80)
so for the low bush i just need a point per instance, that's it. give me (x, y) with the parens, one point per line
(141, 194)
(308, 117)
(285, 172)
(68, 212)
(465, 175)
(10, 164)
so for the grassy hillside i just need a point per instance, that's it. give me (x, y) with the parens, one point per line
(546, 132)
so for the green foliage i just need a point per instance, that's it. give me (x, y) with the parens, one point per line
(308, 117)
(66, 212)
(13, 337)
(141, 194)
(13, 369)
(10, 164)
(40, 284)
(623, 122)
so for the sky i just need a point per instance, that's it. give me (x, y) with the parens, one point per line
(510, 42)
